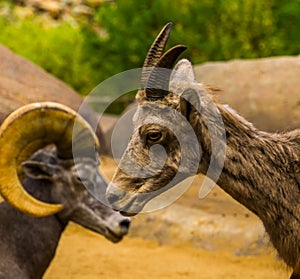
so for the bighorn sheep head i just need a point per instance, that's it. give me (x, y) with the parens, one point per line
(30, 128)
(152, 160)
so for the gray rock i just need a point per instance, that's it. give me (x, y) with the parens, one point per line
(22, 82)
(264, 91)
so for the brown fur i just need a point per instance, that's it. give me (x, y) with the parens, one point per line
(261, 170)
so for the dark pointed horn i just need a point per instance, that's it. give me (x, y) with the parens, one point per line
(169, 57)
(158, 83)
(157, 48)
(155, 52)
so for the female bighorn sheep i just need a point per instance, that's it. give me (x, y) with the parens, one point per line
(51, 174)
(258, 169)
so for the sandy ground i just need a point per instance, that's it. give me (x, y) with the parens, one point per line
(86, 255)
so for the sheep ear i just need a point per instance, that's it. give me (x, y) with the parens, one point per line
(39, 170)
(189, 102)
(183, 71)
(183, 77)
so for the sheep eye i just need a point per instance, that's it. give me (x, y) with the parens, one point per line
(154, 136)
(78, 179)
(82, 180)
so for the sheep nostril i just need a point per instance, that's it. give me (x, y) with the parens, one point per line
(125, 224)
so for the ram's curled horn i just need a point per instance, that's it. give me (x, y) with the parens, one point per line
(155, 76)
(30, 128)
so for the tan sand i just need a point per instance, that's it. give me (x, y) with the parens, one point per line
(86, 255)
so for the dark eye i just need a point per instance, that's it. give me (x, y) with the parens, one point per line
(78, 179)
(82, 180)
(154, 136)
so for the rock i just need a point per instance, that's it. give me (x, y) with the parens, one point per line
(264, 91)
(214, 224)
(53, 7)
(94, 3)
(22, 82)
(82, 10)
(59, 9)
(181, 225)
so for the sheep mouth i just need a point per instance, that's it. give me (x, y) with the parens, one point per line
(128, 203)
(130, 207)
(112, 236)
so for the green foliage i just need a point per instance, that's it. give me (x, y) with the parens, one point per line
(120, 32)
(57, 48)
(287, 26)
(212, 30)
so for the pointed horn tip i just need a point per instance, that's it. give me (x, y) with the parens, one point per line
(166, 30)
(182, 47)
(169, 25)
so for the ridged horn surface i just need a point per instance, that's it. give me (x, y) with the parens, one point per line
(25, 131)
(158, 82)
(155, 52)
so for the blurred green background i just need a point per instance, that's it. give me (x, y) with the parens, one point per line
(113, 36)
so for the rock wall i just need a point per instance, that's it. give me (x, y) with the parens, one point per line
(22, 82)
(264, 91)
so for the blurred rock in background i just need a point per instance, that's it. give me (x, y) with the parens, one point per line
(22, 82)
(265, 91)
(60, 8)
